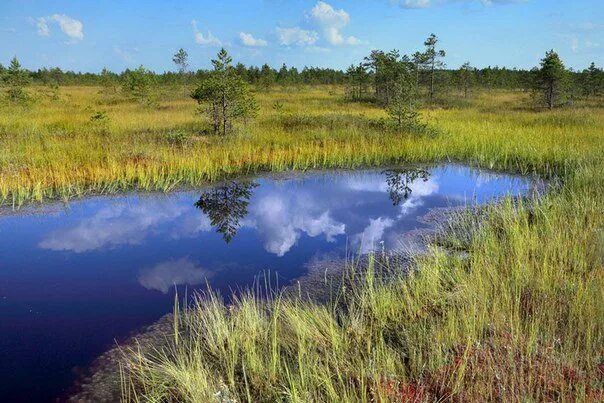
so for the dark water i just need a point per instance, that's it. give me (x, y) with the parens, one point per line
(75, 278)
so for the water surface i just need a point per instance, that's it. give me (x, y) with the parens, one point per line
(75, 278)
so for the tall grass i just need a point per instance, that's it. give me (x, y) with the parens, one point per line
(53, 149)
(518, 318)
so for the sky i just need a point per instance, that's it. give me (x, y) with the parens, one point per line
(83, 35)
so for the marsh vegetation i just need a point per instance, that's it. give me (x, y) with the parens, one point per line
(518, 316)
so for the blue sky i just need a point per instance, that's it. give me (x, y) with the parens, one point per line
(88, 35)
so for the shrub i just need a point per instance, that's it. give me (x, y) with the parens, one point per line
(178, 138)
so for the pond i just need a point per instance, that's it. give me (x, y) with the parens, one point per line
(75, 278)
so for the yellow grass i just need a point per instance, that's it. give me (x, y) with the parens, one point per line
(518, 317)
(52, 149)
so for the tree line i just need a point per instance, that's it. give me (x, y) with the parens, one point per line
(424, 73)
(430, 71)
(398, 83)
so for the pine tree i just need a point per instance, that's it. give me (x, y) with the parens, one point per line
(552, 80)
(592, 81)
(267, 77)
(226, 206)
(181, 60)
(16, 79)
(386, 70)
(357, 80)
(431, 62)
(224, 96)
(402, 105)
(107, 80)
(138, 84)
(466, 77)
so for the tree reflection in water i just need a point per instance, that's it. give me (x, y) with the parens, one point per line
(399, 182)
(226, 206)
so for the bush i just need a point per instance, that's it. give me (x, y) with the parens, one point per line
(178, 138)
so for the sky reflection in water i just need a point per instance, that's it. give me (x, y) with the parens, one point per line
(74, 279)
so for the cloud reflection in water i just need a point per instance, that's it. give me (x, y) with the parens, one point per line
(166, 275)
(354, 206)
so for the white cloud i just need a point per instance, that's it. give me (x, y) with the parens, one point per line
(281, 218)
(249, 40)
(204, 40)
(42, 27)
(166, 275)
(73, 28)
(431, 3)
(375, 183)
(416, 3)
(127, 224)
(334, 37)
(323, 224)
(372, 182)
(296, 36)
(372, 234)
(328, 16)
(421, 189)
(352, 40)
(375, 232)
(332, 21)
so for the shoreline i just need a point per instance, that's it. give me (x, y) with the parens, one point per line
(57, 205)
(101, 382)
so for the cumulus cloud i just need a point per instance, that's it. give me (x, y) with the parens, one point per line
(71, 27)
(421, 189)
(250, 41)
(127, 224)
(204, 39)
(334, 37)
(332, 21)
(296, 36)
(372, 234)
(281, 219)
(329, 16)
(43, 29)
(166, 275)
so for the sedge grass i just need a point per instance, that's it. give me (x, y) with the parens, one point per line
(518, 317)
(52, 149)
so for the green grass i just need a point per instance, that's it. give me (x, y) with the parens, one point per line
(518, 317)
(53, 149)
